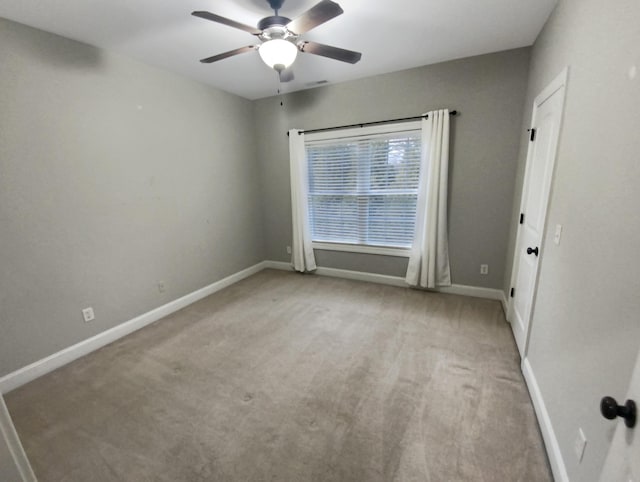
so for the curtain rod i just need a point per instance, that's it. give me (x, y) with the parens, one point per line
(362, 124)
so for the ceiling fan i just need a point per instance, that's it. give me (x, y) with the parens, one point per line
(280, 37)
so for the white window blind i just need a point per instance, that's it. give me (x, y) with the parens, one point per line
(363, 189)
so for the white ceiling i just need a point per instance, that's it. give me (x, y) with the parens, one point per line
(392, 35)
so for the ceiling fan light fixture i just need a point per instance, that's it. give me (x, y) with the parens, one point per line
(278, 53)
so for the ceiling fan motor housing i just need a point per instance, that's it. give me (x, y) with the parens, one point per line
(273, 21)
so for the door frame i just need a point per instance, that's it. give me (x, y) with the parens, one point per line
(560, 82)
(9, 437)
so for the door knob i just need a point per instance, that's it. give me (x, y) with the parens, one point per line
(532, 251)
(610, 409)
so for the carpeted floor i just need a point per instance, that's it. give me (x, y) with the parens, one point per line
(288, 377)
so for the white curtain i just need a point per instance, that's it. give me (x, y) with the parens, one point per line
(429, 261)
(302, 257)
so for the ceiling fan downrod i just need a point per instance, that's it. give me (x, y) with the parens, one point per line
(275, 5)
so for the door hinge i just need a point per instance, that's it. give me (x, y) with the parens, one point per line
(532, 134)
(513, 292)
(521, 218)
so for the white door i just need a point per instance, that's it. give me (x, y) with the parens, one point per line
(623, 460)
(545, 129)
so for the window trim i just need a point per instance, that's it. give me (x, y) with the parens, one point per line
(363, 131)
(410, 126)
(362, 248)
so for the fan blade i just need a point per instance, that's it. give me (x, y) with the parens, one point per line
(231, 23)
(331, 52)
(230, 53)
(286, 75)
(316, 15)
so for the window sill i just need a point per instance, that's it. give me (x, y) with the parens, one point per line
(359, 248)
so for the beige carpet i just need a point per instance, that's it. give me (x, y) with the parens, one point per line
(288, 377)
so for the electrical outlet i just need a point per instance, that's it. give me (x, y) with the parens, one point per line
(161, 287)
(484, 269)
(288, 249)
(580, 444)
(88, 315)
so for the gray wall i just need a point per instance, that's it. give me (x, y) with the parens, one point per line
(114, 176)
(489, 92)
(585, 328)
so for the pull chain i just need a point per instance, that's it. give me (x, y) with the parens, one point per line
(279, 91)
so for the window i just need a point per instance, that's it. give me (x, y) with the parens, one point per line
(363, 188)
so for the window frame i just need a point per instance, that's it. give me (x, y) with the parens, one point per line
(365, 131)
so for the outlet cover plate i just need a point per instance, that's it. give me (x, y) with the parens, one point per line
(557, 234)
(88, 314)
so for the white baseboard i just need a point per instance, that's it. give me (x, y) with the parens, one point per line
(505, 305)
(464, 290)
(41, 367)
(551, 442)
(362, 276)
(10, 438)
(281, 265)
(475, 291)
